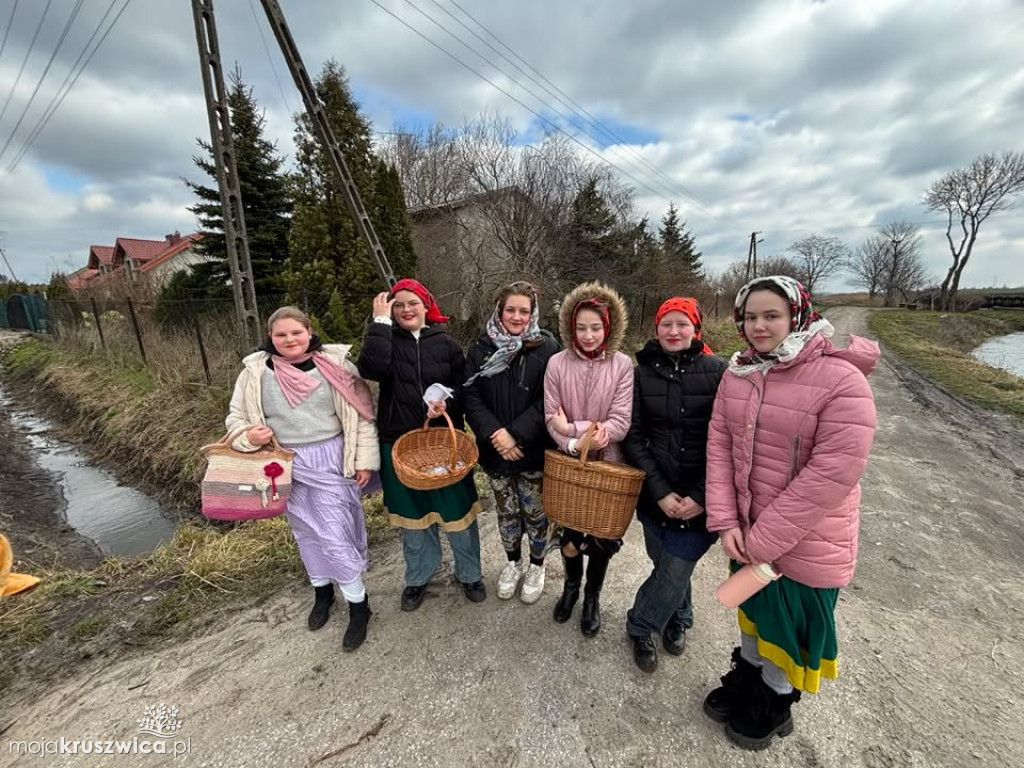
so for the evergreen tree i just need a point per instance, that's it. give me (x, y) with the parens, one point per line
(326, 252)
(680, 251)
(391, 220)
(266, 202)
(595, 236)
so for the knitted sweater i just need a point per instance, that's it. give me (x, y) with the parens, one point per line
(312, 421)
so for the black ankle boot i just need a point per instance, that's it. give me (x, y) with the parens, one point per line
(590, 620)
(570, 589)
(765, 716)
(321, 607)
(358, 617)
(725, 701)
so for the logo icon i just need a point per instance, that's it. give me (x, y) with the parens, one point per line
(160, 720)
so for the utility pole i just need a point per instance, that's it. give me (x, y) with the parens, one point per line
(752, 257)
(223, 145)
(323, 128)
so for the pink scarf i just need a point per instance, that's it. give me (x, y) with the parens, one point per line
(297, 384)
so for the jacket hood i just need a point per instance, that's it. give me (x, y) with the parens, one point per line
(617, 313)
(860, 352)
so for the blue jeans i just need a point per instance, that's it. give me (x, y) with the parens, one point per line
(422, 550)
(665, 595)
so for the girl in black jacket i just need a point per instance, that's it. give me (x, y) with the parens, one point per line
(676, 379)
(504, 402)
(407, 349)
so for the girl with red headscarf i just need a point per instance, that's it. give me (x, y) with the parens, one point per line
(407, 349)
(674, 387)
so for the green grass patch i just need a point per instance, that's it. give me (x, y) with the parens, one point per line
(938, 345)
(86, 628)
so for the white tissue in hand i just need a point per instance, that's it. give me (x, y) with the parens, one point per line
(437, 392)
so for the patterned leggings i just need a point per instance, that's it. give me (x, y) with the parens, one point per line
(517, 499)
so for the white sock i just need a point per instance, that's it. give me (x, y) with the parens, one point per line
(354, 591)
(319, 582)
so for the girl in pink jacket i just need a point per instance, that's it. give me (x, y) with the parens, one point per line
(789, 440)
(589, 382)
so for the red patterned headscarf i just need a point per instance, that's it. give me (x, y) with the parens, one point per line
(594, 305)
(434, 315)
(691, 309)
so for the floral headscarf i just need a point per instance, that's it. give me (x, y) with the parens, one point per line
(434, 314)
(804, 324)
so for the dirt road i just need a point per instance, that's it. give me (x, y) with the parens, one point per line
(930, 632)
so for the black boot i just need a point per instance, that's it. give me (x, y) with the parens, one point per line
(321, 606)
(725, 701)
(570, 588)
(358, 617)
(645, 653)
(766, 716)
(674, 637)
(590, 619)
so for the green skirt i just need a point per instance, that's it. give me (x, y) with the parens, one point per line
(453, 508)
(795, 629)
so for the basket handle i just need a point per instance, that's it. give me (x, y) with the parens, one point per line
(451, 432)
(585, 442)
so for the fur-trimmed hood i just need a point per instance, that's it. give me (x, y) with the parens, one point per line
(617, 313)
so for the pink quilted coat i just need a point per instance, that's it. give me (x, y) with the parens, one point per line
(591, 390)
(786, 452)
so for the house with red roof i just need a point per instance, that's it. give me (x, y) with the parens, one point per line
(133, 259)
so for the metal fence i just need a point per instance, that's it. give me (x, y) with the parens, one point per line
(189, 341)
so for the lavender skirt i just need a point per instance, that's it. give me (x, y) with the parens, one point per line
(325, 514)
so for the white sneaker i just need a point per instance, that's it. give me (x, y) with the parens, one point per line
(508, 582)
(533, 584)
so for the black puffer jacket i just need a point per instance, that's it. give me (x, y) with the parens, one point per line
(513, 399)
(405, 367)
(672, 400)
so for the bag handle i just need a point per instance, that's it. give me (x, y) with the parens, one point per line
(585, 442)
(451, 432)
(234, 434)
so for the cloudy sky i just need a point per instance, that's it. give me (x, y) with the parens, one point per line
(783, 116)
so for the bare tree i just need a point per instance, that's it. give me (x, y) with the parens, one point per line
(968, 196)
(819, 258)
(867, 265)
(487, 210)
(904, 271)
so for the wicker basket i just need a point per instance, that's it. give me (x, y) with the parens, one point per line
(595, 497)
(418, 454)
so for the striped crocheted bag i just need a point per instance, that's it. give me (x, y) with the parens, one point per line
(245, 486)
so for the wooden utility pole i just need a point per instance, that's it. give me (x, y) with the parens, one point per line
(323, 128)
(246, 312)
(752, 257)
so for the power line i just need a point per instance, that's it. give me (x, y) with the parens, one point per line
(270, 58)
(60, 100)
(566, 99)
(46, 71)
(25, 61)
(575, 117)
(575, 123)
(7, 31)
(529, 109)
